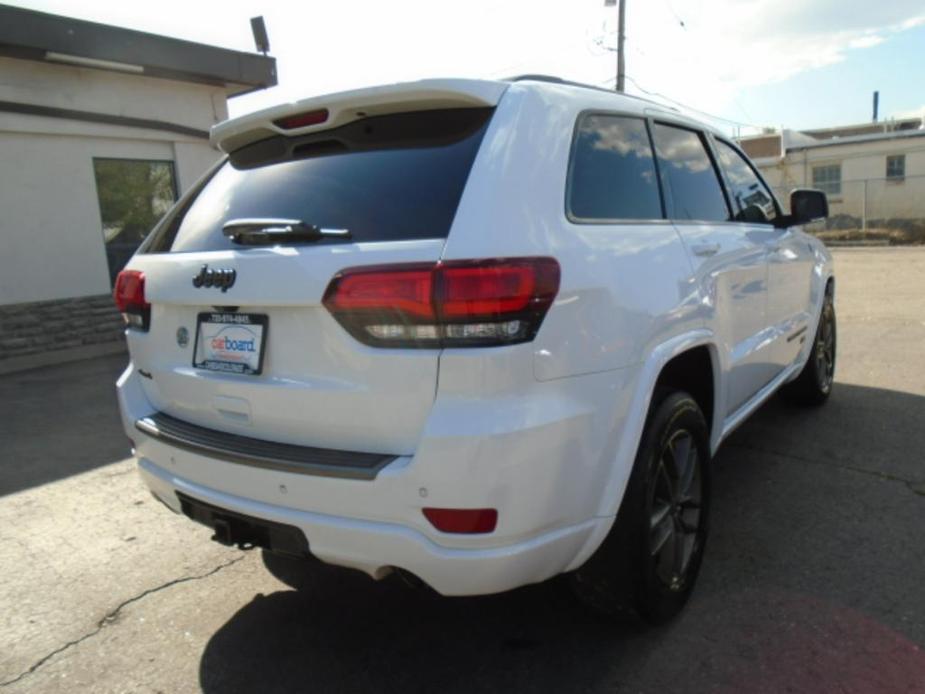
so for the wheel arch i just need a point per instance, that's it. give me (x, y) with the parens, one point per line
(825, 287)
(695, 371)
(699, 345)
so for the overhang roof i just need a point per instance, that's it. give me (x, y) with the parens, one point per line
(31, 35)
(858, 139)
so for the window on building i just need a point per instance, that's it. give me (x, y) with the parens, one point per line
(693, 185)
(133, 196)
(751, 199)
(828, 179)
(613, 171)
(896, 167)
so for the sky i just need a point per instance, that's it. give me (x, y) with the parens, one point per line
(741, 65)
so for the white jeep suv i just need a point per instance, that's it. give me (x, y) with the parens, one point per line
(480, 332)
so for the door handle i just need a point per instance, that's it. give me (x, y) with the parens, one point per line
(705, 249)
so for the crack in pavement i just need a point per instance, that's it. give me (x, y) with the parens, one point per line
(111, 617)
(119, 473)
(914, 486)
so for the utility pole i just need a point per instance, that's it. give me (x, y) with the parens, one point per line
(621, 36)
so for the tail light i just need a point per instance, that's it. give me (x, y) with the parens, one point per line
(129, 295)
(471, 303)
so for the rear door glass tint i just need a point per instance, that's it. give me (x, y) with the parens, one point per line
(613, 174)
(692, 184)
(386, 178)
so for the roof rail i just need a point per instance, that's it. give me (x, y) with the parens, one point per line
(552, 79)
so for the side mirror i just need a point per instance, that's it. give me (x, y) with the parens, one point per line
(808, 205)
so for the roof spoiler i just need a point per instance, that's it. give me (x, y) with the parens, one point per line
(334, 110)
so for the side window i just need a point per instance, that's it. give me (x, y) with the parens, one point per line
(613, 171)
(692, 182)
(751, 199)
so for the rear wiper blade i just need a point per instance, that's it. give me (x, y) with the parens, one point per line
(253, 232)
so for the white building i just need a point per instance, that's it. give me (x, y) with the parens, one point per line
(100, 129)
(873, 173)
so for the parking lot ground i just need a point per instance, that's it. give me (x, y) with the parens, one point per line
(814, 577)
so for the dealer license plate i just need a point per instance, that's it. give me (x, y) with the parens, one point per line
(230, 342)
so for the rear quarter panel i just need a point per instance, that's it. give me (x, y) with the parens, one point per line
(625, 288)
(627, 300)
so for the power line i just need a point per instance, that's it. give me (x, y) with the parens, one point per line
(683, 25)
(691, 108)
(675, 14)
(686, 106)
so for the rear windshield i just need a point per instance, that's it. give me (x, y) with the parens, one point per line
(386, 178)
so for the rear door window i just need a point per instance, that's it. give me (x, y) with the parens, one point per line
(613, 174)
(387, 178)
(751, 198)
(692, 184)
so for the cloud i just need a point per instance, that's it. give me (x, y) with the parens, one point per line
(867, 41)
(724, 46)
(911, 113)
(912, 23)
(799, 17)
(728, 45)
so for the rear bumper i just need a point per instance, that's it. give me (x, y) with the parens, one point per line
(375, 547)
(244, 450)
(541, 455)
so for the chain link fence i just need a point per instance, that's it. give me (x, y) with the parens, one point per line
(877, 210)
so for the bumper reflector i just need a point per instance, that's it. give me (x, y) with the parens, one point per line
(462, 520)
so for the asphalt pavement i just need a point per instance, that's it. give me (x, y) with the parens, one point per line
(813, 580)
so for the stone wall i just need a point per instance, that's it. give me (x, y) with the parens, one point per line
(45, 332)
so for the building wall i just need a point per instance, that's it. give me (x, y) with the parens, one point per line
(48, 332)
(54, 279)
(863, 171)
(53, 239)
(100, 91)
(51, 227)
(763, 146)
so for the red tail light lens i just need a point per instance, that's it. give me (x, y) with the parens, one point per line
(301, 120)
(453, 304)
(462, 520)
(405, 291)
(496, 288)
(129, 295)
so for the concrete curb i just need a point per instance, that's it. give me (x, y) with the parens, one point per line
(35, 361)
(858, 244)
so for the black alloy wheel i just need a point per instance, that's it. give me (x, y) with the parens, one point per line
(674, 510)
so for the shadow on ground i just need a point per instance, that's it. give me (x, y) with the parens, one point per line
(812, 582)
(59, 421)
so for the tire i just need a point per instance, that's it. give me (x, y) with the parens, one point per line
(648, 564)
(814, 384)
